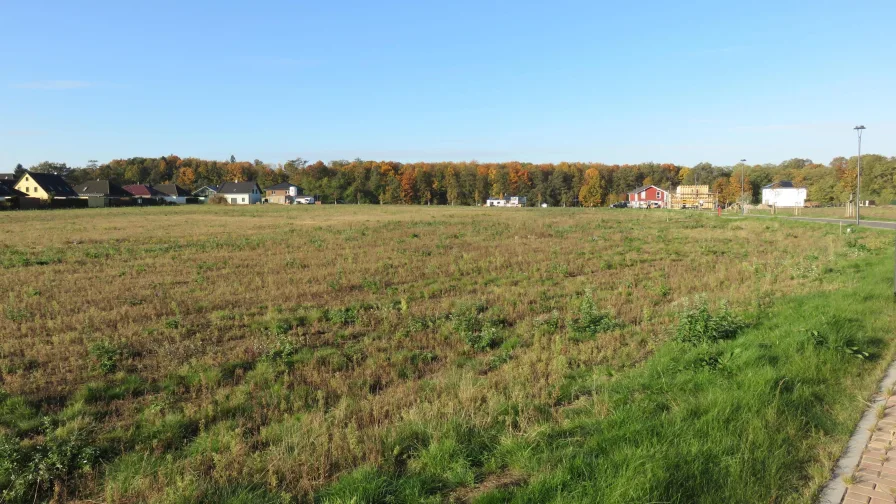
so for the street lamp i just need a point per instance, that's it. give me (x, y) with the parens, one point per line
(743, 208)
(859, 130)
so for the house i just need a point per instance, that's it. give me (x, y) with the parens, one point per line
(648, 196)
(507, 201)
(173, 193)
(7, 176)
(143, 191)
(100, 188)
(98, 193)
(44, 186)
(206, 193)
(8, 190)
(784, 194)
(283, 193)
(240, 193)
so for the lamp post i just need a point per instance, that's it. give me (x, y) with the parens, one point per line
(743, 167)
(859, 130)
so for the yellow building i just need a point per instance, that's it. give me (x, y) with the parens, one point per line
(44, 186)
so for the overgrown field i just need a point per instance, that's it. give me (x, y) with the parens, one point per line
(431, 354)
(883, 212)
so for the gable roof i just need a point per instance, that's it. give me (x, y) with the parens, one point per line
(782, 184)
(51, 183)
(141, 190)
(8, 189)
(644, 188)
(281, 185)
(237, 187)
(171, 190)
(101, 188)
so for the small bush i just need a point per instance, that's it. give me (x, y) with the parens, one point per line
(698, 325)
(30, 472)
(590, 321)
(479, 333)
(342, 316)
(106, 356)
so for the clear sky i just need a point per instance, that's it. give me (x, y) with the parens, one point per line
(614, 82)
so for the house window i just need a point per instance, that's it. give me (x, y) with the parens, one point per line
(27, 189)
(244, 200)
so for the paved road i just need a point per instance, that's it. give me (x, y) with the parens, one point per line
(845, 222)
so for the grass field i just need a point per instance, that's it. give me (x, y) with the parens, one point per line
(430, 354)
(883, 213)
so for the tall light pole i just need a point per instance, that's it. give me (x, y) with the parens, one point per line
(859, 130)
(743, 207)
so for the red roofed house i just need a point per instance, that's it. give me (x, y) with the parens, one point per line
(649, 196)
(143, 191)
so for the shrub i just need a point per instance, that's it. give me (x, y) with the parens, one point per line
(698, 325)
(590, 321)
(29, 472)
(106, 356)
(480, 334)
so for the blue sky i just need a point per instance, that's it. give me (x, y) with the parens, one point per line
(612, 82)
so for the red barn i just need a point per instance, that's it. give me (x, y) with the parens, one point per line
(649, 196)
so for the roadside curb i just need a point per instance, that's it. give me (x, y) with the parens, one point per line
(834, 490)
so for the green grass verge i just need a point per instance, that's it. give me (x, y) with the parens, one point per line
(758, 418)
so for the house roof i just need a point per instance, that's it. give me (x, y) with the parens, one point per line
(101, 188)
(7, 176)
(237, 187)
(781, 184)
(281, 185)
(7, 188)
(212, 188)
(171, 190)
(51, 183)
(643, 188)
(142, 190)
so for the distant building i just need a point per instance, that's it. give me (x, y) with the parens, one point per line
(143, 191)
(100, 188)
(697, 197)
(649, 196)
(8, 190)
(784, 194)
(7, 176)
(507, 201)
(206, 193)
(240, 193)
(44, 186)
(173, 193)
(283, 193)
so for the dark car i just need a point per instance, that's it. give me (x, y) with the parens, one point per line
(620, 204)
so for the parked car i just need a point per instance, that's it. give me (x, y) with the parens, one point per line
(620, 204)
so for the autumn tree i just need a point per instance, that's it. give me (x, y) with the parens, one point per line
(408, 186)
(186, 177)
(591, 194)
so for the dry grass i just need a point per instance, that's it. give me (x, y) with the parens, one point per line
(883, 212)
(270, 349)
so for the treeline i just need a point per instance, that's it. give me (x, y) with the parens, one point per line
(470, 183)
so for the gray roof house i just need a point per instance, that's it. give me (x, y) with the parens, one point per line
(240, 193)
(102, 188)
